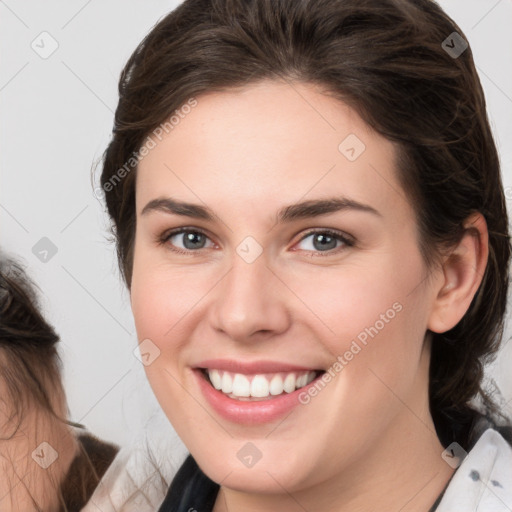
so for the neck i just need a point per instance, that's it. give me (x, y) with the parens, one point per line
(404, 471)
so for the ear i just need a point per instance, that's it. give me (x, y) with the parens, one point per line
(463, 271)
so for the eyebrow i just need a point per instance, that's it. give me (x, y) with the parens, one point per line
(302, 210)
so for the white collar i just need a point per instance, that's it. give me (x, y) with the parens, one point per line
(483, 481)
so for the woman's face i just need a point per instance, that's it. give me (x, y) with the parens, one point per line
(298, 254)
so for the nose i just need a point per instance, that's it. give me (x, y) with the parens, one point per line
(250, 302)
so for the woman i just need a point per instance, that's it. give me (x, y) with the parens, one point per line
(310, 219)
(47, 462)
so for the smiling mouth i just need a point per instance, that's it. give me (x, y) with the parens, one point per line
(257, 387)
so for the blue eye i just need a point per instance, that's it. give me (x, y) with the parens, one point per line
(324, 241)
(187, 240)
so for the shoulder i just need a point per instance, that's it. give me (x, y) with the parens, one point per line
(483, 480)
(138, 478)
(92, 459)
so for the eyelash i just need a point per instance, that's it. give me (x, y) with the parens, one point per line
(347, 241)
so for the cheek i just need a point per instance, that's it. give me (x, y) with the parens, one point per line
(373, 318)
(162, 296)
(377, 344)
(347, 301)
(162, 302)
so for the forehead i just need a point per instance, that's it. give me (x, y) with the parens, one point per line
(270, 144)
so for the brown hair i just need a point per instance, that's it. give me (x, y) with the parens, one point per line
(30, 363)
(385, 59)
(32, 392)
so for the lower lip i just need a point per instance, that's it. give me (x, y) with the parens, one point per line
(246, 412)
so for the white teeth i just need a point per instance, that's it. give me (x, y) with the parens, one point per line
(259, 386)
(289, 383)
(216, 379)
(238, 385)
(302, 381)
(276, 385)
(241, 385)
(227, 382)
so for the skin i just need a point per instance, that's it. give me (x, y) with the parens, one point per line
(367, 440)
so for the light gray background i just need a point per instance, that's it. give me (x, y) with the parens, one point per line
(57, 114)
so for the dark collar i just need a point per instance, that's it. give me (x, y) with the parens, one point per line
(191, 489)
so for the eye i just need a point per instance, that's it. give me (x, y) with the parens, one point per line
(185, 240)
(324, 241)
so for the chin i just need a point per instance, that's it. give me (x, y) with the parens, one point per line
(264, 477)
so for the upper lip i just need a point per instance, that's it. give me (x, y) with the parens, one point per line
(251, 367)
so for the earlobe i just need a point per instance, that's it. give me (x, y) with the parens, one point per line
(463, 270)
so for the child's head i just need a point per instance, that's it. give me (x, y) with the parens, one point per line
(28, 350)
